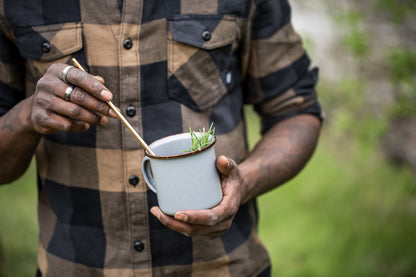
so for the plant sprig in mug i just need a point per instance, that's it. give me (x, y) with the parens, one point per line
(202, 140)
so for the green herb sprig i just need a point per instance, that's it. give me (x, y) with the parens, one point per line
(204, 139)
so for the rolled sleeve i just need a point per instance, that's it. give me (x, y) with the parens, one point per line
(278, 81)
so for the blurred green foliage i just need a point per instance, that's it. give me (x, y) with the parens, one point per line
(18, 226)
(349, 212)
(345, 105)
(402, 64)
(400, 60)
(357, 37)
(398, 9)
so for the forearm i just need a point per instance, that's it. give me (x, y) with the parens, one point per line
(281, 153)
(18, 141)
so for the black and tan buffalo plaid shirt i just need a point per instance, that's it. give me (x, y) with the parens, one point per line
(171, 65)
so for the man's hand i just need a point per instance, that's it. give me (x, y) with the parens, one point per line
(214, 222)
(51, 112)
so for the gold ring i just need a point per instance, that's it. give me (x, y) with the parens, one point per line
(68, 91)
(65, 72)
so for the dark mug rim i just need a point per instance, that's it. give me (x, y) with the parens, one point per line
(182, 155)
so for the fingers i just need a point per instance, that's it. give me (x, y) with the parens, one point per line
(47, 123)
(189, 229)
(225, 210)
(213, 222)
(87, 105)
(84, 80)
(89, 84)
(89, 91)
(84, 99)
(80, 113)
(201, 217)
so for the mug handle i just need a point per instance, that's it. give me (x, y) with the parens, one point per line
(147, 174)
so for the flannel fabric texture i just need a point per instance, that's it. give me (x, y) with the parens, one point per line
(172, 64)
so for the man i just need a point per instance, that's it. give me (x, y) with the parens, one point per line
(168, 65)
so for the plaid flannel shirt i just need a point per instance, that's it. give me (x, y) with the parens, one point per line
(171, 65)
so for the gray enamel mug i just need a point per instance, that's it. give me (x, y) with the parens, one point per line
(182, 180)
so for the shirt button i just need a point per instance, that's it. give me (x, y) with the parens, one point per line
(131, 110)
(46, 47)
(206, 35)
(138, 246)
(127, 43)
(133, 180)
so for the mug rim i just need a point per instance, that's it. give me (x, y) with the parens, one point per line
(185, 154)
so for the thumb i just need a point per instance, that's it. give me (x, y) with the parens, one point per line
(224, 165)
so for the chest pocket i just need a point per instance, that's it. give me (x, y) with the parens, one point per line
(47, 44)
(200, 58)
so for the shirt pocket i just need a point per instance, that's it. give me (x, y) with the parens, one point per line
(47, 44)
(200, 58)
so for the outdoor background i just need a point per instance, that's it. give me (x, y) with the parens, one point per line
(352, 211)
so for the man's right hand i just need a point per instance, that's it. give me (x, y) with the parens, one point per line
(87, 105)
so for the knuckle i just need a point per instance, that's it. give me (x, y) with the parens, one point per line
(102, 108)
(52, 68)
(44, 102)
(74, 110)
(40, 122)
(42, 82)
(78, 96)
(76, 76)
(97, 120)
(213, 219)
(46, 85)
(39, 118)
(95, 86)
(66, 126)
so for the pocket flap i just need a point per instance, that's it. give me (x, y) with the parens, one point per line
(49, 42)
(203, 31)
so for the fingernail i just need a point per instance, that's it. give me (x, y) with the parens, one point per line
(182, 217)
(103, 121)
(155, 213)
(106, 95)
(228, 162)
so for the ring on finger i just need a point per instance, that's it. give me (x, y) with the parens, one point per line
(68, 91)
(65, 73)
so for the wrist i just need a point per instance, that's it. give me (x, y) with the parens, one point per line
(246, 184)
(25, 117)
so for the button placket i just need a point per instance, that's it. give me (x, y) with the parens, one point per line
(130, 94)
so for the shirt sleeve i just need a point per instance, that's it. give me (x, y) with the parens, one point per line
(277, 79)
(11, 72)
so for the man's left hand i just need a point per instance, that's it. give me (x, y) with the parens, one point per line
(214, 222)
